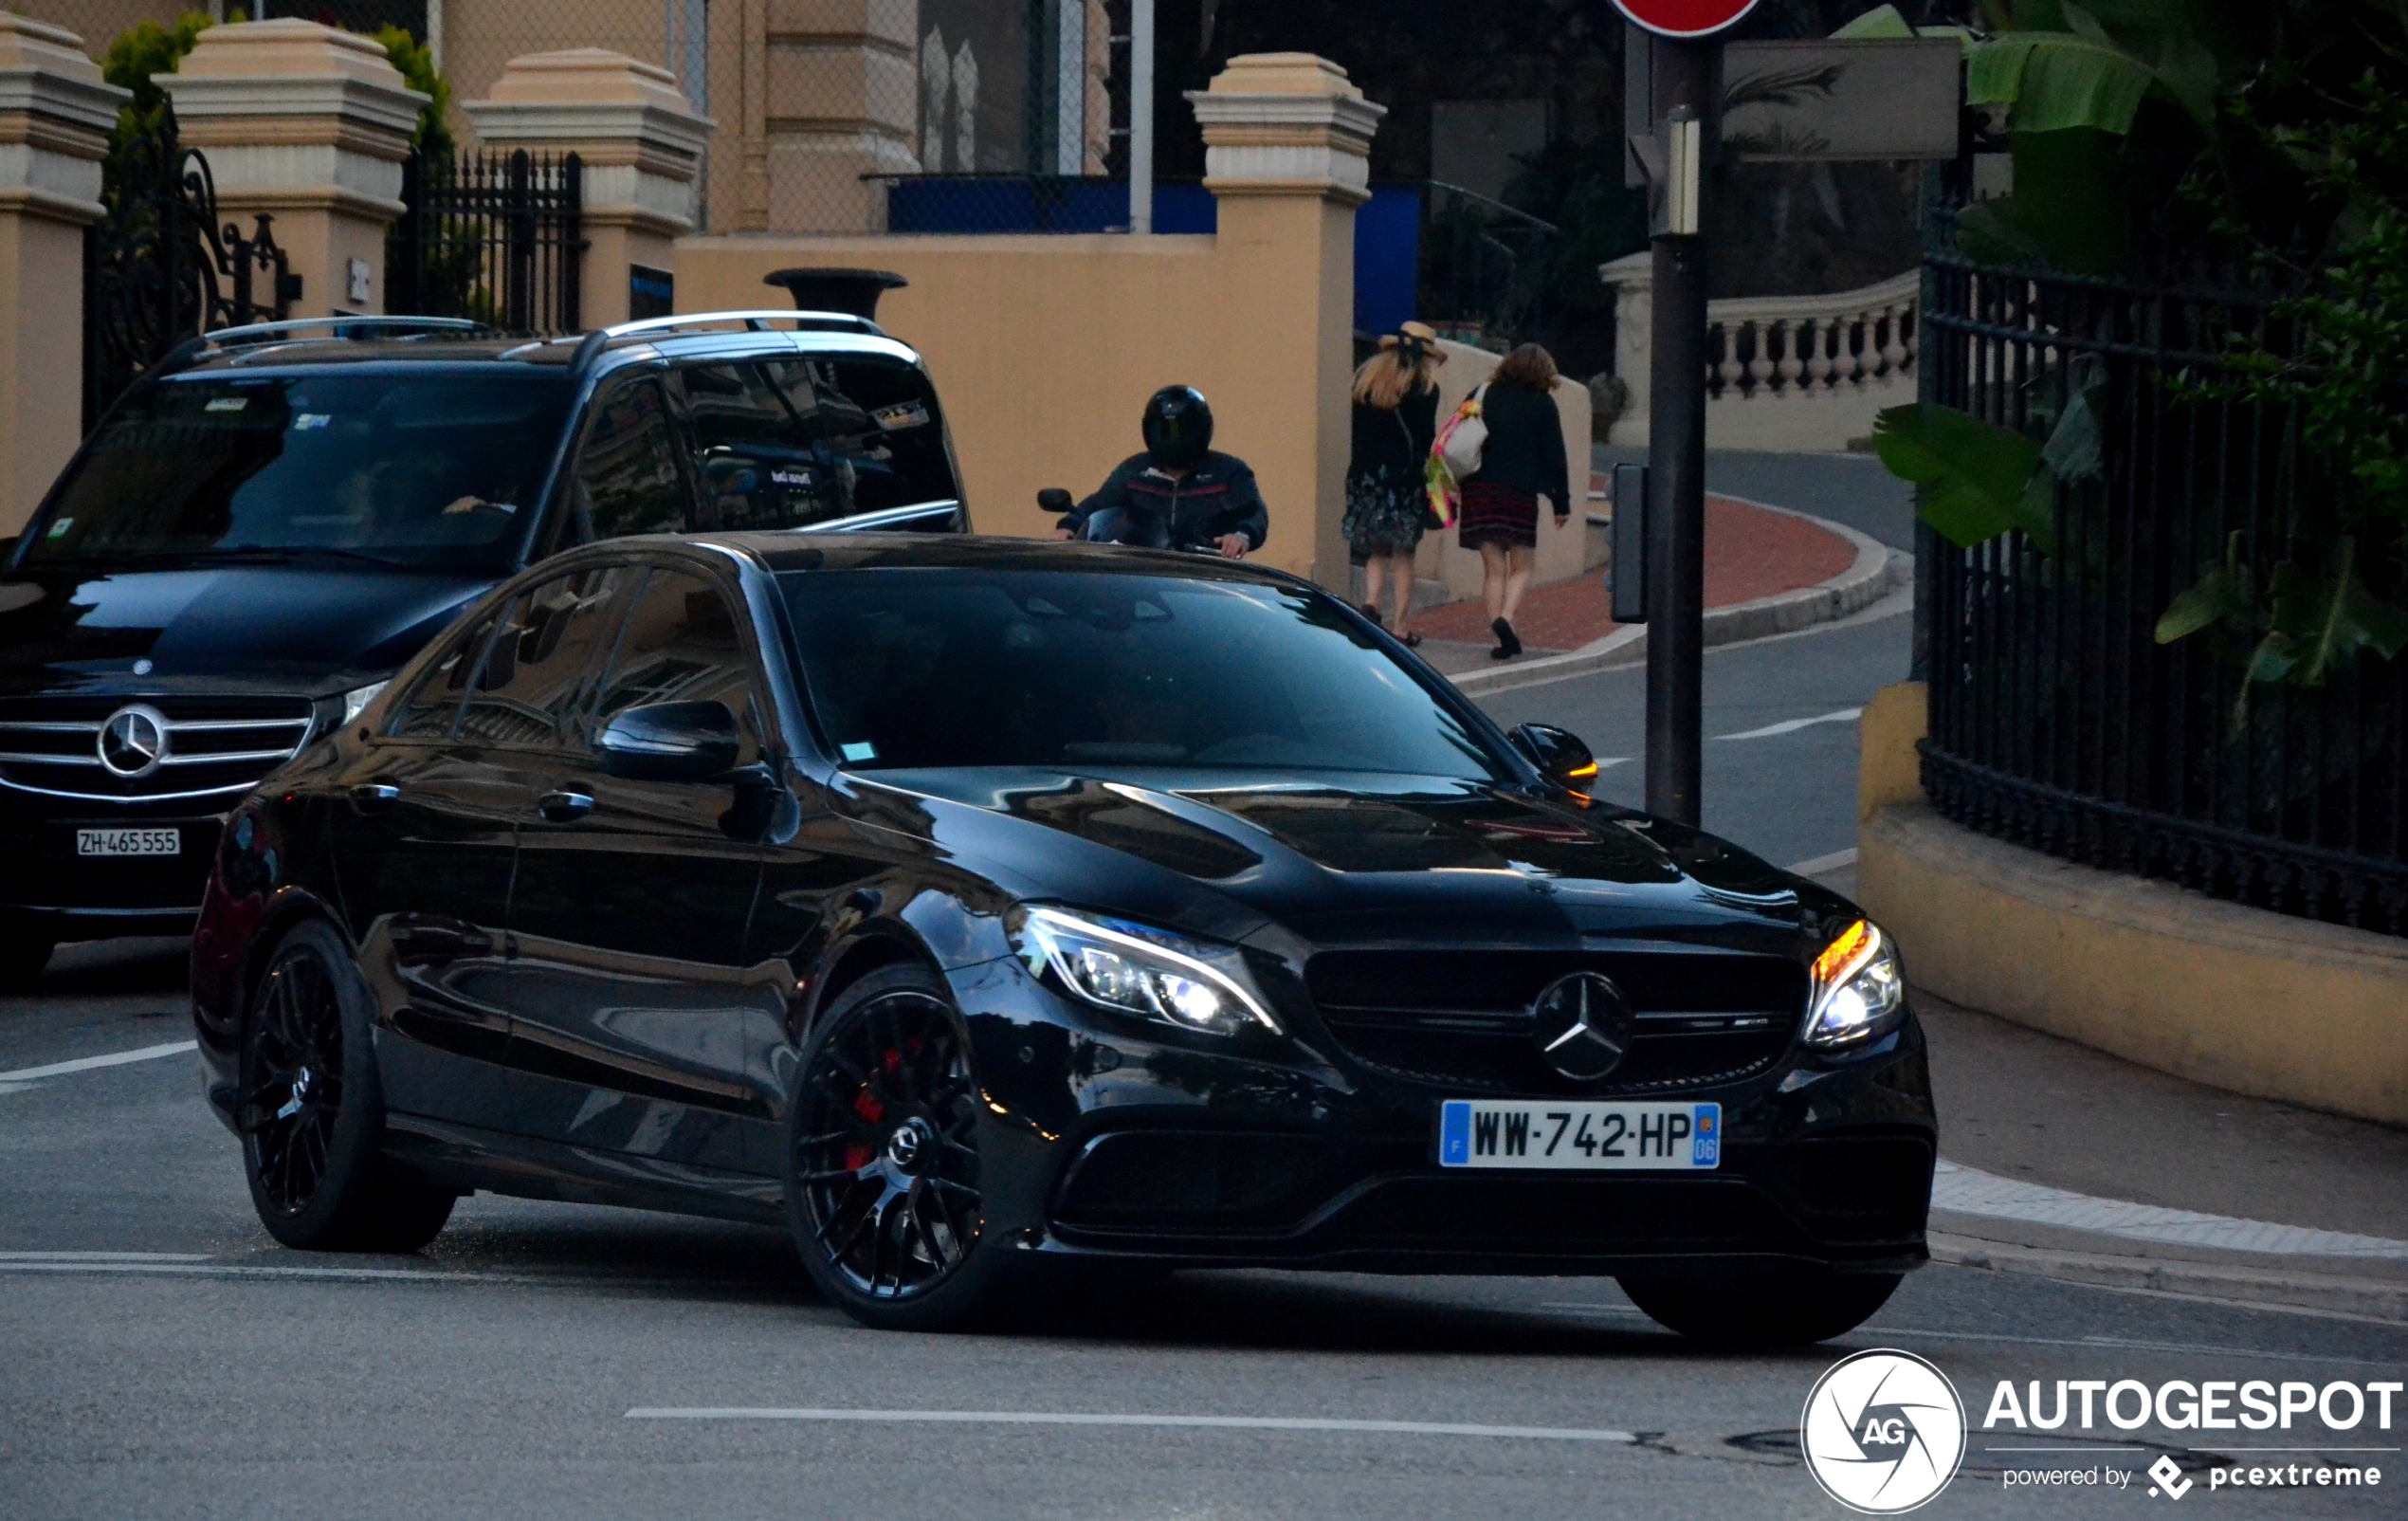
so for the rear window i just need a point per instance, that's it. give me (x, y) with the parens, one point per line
(419, 469)
(789, 442)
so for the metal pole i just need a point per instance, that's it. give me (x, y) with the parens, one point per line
(1141, 116)
(1676, 449)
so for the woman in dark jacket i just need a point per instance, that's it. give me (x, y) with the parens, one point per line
(1522, 461)
(1387, 490)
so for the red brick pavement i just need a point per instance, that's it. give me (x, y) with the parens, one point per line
(1749, 553)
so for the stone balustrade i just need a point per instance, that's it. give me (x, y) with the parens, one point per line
(1792, 373)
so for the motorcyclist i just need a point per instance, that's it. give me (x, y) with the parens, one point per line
(1180, 493)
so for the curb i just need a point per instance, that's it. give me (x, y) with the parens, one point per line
(2264, 1287)
(1876, 571)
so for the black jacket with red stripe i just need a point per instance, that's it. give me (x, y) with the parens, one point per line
(1217, 497)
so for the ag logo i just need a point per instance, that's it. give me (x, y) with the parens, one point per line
(1882, 1432)
(2168, 1474)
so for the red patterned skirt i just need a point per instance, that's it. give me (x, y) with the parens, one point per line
(1497, 515)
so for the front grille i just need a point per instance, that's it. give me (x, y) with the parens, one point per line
(1463, 1018)
(213, 745)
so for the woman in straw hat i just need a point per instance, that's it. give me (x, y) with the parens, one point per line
(1387, 497)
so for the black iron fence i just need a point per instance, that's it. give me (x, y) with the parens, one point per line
(159, 267)
(2058, 720)
(1484, 268)
(491, 235)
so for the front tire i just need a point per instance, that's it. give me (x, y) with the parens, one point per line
(883, 1180)
(1789, 1307)
(311, 1113)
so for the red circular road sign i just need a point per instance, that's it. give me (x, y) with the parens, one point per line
(1685, 18)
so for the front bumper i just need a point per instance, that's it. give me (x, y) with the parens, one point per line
(43, 877)
(1113, 1142)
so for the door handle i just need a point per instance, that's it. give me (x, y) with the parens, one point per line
(375, 797)
(565, 806)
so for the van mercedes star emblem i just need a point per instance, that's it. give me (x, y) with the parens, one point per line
(133, 740)
(1582, 1025)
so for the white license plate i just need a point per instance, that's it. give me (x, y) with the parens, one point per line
(129, 842)
(1580, 1136)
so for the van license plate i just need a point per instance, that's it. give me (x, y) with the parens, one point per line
(129, 842)
(1580, 1136)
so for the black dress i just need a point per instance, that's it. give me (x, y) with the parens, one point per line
(1387, 494)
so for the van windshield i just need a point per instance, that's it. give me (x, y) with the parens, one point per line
(417, 469)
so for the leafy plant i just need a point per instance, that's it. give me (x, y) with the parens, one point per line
(416, 61)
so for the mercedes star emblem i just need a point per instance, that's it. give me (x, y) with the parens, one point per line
(133, 740)
(1582, 1025)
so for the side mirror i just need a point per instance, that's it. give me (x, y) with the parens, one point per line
(670, 742)
(1559, 754)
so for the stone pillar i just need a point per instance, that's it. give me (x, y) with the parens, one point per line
(641, 145)
(1288, 144)
(310, 125)
(55, 118)
(1634, 281)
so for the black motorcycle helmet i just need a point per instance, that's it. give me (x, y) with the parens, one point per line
(1178, 427)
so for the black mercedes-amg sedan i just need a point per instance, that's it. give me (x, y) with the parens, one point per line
(978, 909)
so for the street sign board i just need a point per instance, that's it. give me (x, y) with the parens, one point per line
(1833, 100)
(1684, 18)
(1800, 101)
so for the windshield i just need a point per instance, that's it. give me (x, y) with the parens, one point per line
(930, 666)
(414, 468)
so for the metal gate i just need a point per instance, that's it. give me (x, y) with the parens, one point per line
(159, 267)
(494, 236)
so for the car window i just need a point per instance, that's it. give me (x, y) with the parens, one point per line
(422, 466)
(931, 665)
(682, 643)
(537, 679)
(877, 418)
(627, 479)
(431, 708)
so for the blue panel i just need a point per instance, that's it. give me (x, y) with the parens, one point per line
(1387, 259)
(1186, 209)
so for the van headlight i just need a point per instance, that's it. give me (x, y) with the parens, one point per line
(1860, 989)
(1136, 969)
(356, 699)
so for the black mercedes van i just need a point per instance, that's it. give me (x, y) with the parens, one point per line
(275, 517)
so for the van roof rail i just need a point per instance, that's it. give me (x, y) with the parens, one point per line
(754, 321)
(335, 328)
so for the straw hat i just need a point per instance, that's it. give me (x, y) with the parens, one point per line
(1420, 335)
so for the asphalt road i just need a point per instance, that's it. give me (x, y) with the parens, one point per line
(160, 1357)
(1780, 744)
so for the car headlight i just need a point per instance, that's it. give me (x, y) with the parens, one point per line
(1860, 989)
(1133, 968)
(356, 699)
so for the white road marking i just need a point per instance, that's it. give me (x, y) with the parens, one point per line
(1846, 715)
(1031, 1418)
(182, 1265)
(86, 1064)
(83, 1257)
(1825, 863)
(1968, 1191)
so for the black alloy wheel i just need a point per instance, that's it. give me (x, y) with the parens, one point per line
(882, 1159)
(310, 1112)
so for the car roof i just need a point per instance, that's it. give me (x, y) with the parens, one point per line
(483, 351)
(789, 551)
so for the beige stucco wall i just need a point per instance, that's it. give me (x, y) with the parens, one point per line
(41, 417)
(2232, 997)
(1045, 349)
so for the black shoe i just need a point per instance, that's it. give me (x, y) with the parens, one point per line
(1508, 644)
(1371, 611)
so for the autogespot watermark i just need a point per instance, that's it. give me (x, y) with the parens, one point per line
(1884, 1433)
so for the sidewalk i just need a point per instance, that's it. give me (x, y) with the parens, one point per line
(2070, 1164)
(1750, 553)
